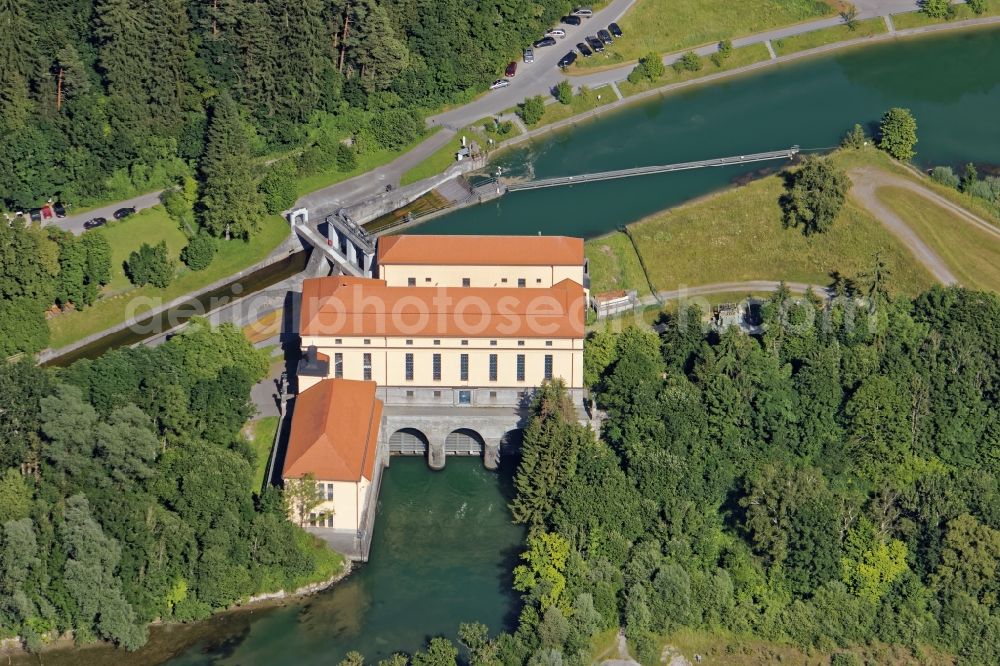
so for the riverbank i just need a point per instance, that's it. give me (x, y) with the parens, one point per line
(166, 639)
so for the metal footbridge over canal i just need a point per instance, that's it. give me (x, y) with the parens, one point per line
(558, 181)
(350, 247)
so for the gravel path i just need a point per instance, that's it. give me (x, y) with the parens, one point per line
(866, 182)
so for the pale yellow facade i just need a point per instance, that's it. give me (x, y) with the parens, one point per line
(343, 504)
(538, 277)
(388, 361)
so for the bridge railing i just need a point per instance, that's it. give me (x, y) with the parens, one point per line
(787, 153)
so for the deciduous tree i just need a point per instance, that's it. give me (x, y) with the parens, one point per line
(898, 133)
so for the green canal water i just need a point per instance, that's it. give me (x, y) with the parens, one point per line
(950, 82)
(443, 546)
(442, 554)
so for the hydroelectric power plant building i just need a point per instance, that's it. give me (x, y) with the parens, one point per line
(440, 355)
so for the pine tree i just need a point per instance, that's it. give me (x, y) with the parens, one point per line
(375, 49)
(167, 84)
(123, 34)
(231, 204)
(548, 456)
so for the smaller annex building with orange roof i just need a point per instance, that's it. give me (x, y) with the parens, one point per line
(334, 444)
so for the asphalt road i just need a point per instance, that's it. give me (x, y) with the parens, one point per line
(541, 77)
(75, 222)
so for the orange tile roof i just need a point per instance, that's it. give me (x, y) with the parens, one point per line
(481, 250)
(334, 434)
(358, 307)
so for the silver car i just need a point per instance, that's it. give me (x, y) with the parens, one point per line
(529, 56)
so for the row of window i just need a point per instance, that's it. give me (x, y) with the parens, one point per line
(463, 367)
(467, 282)
(408, 367)
(465, 343)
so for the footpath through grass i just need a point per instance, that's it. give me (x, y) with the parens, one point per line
(739, 235)
(740, 57)
(665, 27)
(838, 33)
(971, 253)
(961, 13)
(872, 157)
(151, 226)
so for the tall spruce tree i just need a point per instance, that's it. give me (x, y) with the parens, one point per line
(548, 456)
(231, 204)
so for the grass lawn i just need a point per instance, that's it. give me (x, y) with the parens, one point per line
(444, 156)
(150, 226)
(366, 163)
(261, 438)
(738, 235)
(487, 126)
(741, 57)
(434, 163)
(962, 12)
(972, 254)
(579, 104)
(838, 33)
(614, 264)
(727, 649)
(661, 27)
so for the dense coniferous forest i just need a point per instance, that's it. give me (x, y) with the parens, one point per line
(831, 483)
(127, 492)
(100, 99)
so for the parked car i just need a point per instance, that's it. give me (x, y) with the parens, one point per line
(615, 30)
(122, 213)
(545, 41)
(511, 70)
(529, 56)
(571, 20)
(604, 36)
(584, 12)
(95, 222)
(567, 59)
(35, 214)
(595, 44)
(59, 208)
(584, 50)
(499, 83)
(555, 32)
